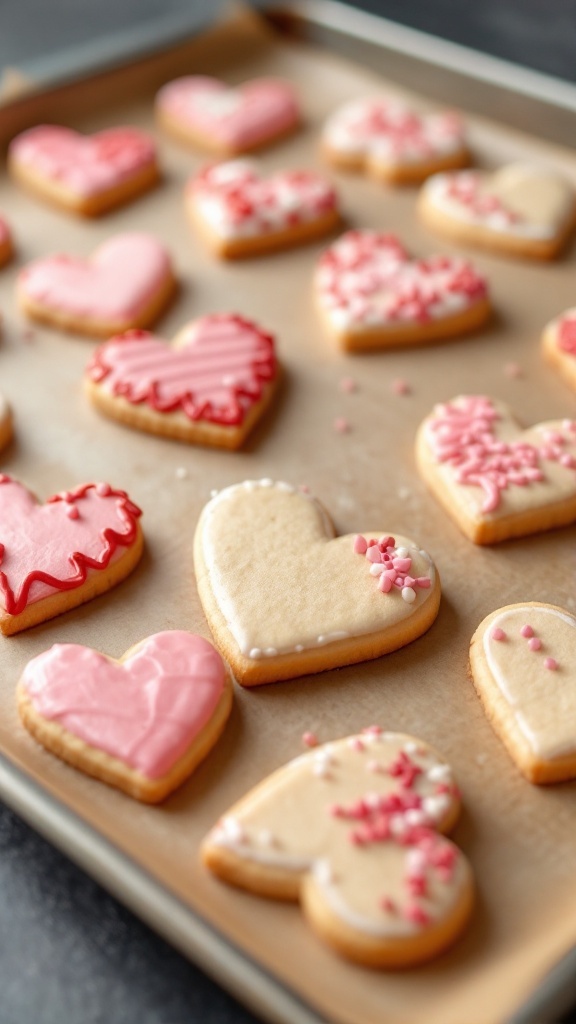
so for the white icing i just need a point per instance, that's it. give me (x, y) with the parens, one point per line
(435, 190)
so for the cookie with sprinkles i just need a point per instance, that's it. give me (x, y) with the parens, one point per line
(372, 295)
(240, 212)
(523, 659)
(494, 478)
(519, 210)
(392, 141)
(284, 596)
(559, 345)
(354, 831)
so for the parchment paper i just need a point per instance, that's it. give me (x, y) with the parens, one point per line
(519, 838)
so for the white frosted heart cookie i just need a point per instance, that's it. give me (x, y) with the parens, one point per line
(520, 210)
(393, 142)
(494, 478)
(6, 427)
(372, 295)
(284, 596)
(352, 830)
(559, 345)
(522, 659)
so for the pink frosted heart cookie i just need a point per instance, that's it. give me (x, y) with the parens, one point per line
(142, 723)
(210, 387)
(56, 556)
(352, 830)
(285, 597)
(6, 246)
(494, 478)
(241, 213)
(519, 210)
(372, 295)
(227, 121)
(522, 659)
(87, 174)
(127, 282)
(559, 345)
(393, 142)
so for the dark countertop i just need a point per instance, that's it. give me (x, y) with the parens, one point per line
(69, 952)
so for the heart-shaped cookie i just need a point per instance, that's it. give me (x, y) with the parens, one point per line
(88, 174)
(60, 554)
(559, 345)
(494, 478)
(6, 247)
(142, 723)
(227, 121)
(520, 210)
(372, 295)
(392, 141)
(351, 829)
(242, 213)
(285, 597)
(209, 387)
(522, 660)
(126, 283)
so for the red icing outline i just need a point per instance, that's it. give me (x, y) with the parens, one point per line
(263, 370)
(80, 561)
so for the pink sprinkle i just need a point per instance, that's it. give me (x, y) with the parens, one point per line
(527, 631)
(304, 488)
(371, 542)
(388, 904)
(72, 512)
(372, 730)
(400, 387)
(498, 634)
(386, 542)
(385, 584)
(348, 385)
(534, 643)
(513, 370)
(360, 545)
(551, 663)
(310, 739)
(374, 766)
(356, 744)
(341, 425)
(103, 490)
(416, 914)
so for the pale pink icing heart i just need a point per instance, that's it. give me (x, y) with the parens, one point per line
(116, 283)
(217, 372)
(388, 130)
(145, 711)
(236, 201)
(367, 279)
(49, 548)
(84, 164)
(238, 117)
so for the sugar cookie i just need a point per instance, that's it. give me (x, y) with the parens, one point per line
(86, 174)
(56, 556)
(210, 387)
(372, 295)
(522, 661)
(351, 829)
(142, 723)
(204, 112)
(494, 478)
(127, 282)
(392, 142)
(241, 213)
(519, 210)
(284, 596)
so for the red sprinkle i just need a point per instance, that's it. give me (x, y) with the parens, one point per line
(310, 739)
(400, 387)
(341, 425)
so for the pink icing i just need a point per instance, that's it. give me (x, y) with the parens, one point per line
(566, 337)
(45, 548)
(393, 129)
(467, 189)
(217, 373)
(116, 283)
(462, 434)
(238, 118)
(146, 711)
(235, 199)
(84, 164)
(366, 278)
(391, 565)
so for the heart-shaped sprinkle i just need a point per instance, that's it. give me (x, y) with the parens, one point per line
(204, 110)
(352, 831)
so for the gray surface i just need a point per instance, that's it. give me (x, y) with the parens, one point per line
(69, 953)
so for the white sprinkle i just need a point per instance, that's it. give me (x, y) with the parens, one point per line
(411, 747)
(440, 773)
(181, 473)
(255, 653)
(415, 860)
(270, 652)
(402, 552)
(321, 771)
(403, 493)
(324, 872)
(214, 494)
(435, 806)
(376, 569)
(299, 648)
(409, 595)
(266, 482)
(415, 817)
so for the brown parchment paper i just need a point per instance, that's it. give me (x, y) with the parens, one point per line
(519, 838)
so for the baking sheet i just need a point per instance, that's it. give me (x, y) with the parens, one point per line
(519, 839)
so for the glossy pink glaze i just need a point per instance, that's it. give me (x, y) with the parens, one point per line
(44, 549)
(238, 117)
(146, 711)
(217, 374)
(116, 283)
(85, 164)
